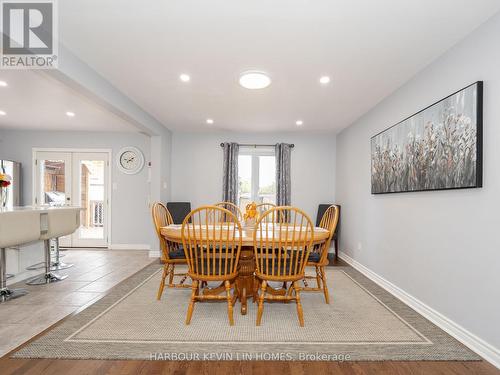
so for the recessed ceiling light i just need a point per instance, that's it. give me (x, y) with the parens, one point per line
(70, 114)
(324, 80)
(210, 121)
(2, 113)
(254, 80)
(3, 84)
(184, 77)
(299, 122)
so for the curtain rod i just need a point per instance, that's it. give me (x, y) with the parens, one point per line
(255, 145)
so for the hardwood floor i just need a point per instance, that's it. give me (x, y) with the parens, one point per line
(76, 367)
(335, 262)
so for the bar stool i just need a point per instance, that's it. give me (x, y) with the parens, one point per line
(55, 264)
(58, 224)
(15, 228)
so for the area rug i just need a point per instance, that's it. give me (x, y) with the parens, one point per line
(362, 322)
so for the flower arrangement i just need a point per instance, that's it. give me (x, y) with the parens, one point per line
(250, 215)
(250, 211)
(4, 180)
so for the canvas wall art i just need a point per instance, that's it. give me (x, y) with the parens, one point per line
(438, 148)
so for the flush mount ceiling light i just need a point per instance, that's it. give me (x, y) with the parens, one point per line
(3, 84)
(299, 122)
(254, 80)
(2, 113)
(325, 80)
(185, 77)
(70, 114)
(210, 121)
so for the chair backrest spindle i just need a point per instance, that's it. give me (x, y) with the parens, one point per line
(162, 218)
(231, 207)
(329, 222)
(282, 246)
(212, 236)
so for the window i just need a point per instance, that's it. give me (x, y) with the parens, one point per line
(256, 176)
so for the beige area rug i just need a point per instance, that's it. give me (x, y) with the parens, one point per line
(362, 322)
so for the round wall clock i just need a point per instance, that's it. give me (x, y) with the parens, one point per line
(130, 160)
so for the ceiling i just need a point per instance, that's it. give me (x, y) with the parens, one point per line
(36, 101)
(369, 48)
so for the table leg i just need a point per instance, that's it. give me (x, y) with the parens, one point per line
(245, 281)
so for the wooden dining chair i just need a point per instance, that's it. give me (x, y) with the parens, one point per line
(231, 207)
(281, 251)
(212, 254)
(274, 218)
(171, 253)
(318, 257)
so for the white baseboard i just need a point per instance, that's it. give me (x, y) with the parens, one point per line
(154, 253)
(331, 250)
(476, 344)
(126, 246)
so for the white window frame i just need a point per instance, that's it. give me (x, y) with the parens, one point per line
(255, 152)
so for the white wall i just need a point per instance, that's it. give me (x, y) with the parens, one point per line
(161, 149)
(131, 218)
(441, 247)
(197, 166)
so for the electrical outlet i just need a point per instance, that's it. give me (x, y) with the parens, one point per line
(360, 246)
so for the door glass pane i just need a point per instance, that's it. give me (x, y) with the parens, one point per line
(92, 199)
(244, 180)
(53, 182)
(267, 179)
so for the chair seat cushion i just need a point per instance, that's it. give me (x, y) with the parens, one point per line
(314, 257)
(177, 253)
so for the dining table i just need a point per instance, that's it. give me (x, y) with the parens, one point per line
(246, 284)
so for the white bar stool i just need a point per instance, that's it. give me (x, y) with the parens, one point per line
(15, 228)
(55, 263)
(58, 223)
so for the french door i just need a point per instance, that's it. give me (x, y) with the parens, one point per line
(79, 179)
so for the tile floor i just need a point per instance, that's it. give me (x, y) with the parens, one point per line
(94, 272)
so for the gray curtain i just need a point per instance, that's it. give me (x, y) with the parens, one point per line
(230, 178)
(283, 191)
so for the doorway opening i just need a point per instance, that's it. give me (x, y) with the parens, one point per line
(78, 178)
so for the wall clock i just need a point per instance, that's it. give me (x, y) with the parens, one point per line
(130, 160)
